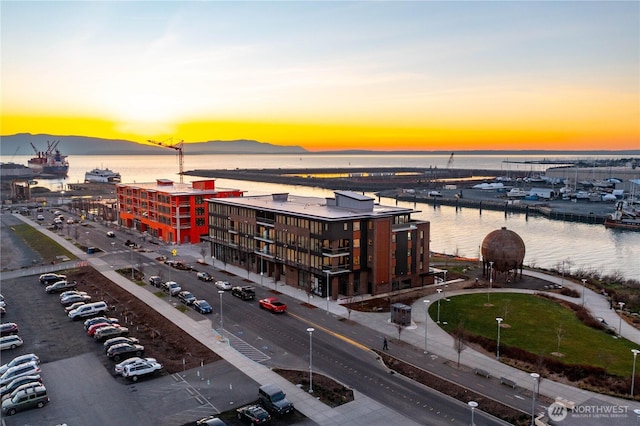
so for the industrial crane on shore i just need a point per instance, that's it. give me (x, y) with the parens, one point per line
(178, 147)
(450, 162)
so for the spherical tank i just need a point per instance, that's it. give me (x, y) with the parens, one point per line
(504, 248)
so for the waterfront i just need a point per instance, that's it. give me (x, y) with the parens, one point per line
(549, 243)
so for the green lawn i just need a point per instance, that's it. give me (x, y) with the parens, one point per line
(40, 243)
(531, 323)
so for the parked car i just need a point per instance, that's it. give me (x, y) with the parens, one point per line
(137, 370)
(186, 297)
(50, 278)
(210, 421)
(21, 388)
(69, 293)
(155, 281)
(119, 368)
(10, 342)
(89, 310)
(60, 286)
(171, 287)
(124, 350)
(254, 414)
(89, 322)
(116, 340)
(73, 306)
(202, 306)
(25, 399)
(223, 285)
(29, 369)
(105, 333)
(15, 383)
(3, 302)
(19, 360)
(244, 292)
(274, 399)
(8, 328)
(40, 217)
(204, 276)
(91, 331)
(69, 300)
(111, 234)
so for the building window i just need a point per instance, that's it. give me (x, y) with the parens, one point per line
(356, 226)
(346, 226)
(356, 243)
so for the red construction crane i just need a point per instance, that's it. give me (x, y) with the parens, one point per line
(177, 147)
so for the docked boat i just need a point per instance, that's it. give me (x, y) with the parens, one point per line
(49, 162)
(102, 176)
(622, 220)
(517, 193)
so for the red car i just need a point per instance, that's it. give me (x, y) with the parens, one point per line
(272, 304)
(8, 328)
(92, 329)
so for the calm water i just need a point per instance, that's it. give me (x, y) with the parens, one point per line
(548, 242)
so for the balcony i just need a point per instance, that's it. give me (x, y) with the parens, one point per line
(270, 254)
(336, 270)
(265, 222)
(336, 252)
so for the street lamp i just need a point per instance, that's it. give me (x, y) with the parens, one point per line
(633, 374)
(584, 280)
(621, 304)
(439, 291)
(310, 330)
(131, 247)
(498, 345)
(426, 319)
(535, 376)
(327, 292)
(473, 406)
(490, 274)
(221, 292)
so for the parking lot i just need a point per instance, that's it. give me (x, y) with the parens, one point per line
(80, 382)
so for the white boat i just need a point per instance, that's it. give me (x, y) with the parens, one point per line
(102, 176)
(517, 193)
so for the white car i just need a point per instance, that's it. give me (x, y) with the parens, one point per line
(119, 368)
(136, 370)
(223, 285)
(28, 369)
(10, 342)
(171, 287)
(19, 360)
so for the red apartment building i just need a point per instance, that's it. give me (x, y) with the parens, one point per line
(173, 212)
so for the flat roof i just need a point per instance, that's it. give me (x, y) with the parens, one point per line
(174, 189)
(312, 207)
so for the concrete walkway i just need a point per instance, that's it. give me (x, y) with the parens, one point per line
(364, 411)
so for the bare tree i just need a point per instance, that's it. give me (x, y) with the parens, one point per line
(459, 339)
(559, 335)
(400, 327)
(540, 368)
(349, 305)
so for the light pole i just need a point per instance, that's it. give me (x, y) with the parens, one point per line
(439, 291)
(426, 319)
(327, 292)
(633, 373)
(310, 330)
(132, 264)
(584, 280)
(221, 292)
(533, 400)
(621, 304)
(473, 406)
(499, 320)
(490, 274)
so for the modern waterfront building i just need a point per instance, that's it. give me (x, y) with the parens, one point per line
(173, 212)
(331, 247)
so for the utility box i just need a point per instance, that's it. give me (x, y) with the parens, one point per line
(401, 314)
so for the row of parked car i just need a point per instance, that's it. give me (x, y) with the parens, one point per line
(173, 289)
(21, 386)
(118, 345)
(9, 338)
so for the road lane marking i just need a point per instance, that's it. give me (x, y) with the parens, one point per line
(326, 330)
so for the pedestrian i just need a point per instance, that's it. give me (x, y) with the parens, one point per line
(385, 345)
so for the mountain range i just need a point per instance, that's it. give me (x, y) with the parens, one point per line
(20, 144)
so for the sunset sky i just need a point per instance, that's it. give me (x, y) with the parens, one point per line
(327, 75)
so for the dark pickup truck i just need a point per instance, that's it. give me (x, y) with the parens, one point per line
(244, 292)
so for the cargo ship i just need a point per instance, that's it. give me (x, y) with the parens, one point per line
(49, 162)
